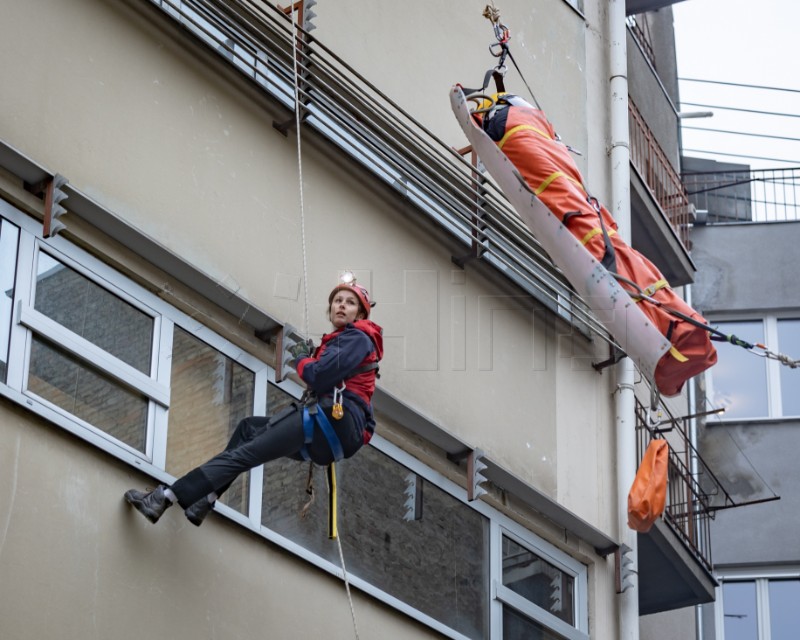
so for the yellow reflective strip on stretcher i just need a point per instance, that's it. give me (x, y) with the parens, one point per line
(554, 176)
(517, 129)
(678, 355)
(593, 233)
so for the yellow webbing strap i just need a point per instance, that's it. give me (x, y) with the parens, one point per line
(330, 474)
(521, 127)
(678, 355)
(554, 176)
(649, 291)
(594, 232)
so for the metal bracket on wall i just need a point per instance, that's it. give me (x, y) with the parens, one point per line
(477, 223)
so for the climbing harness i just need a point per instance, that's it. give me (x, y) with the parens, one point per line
(312, 415)
(331, 471)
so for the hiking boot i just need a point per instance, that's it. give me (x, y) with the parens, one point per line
(198, 511)
(151, 505)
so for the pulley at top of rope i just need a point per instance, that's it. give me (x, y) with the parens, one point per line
(498, 49)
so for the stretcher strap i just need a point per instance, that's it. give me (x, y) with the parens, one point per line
(649, 291)
(594, 232)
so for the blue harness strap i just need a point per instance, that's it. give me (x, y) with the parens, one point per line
(327, 430)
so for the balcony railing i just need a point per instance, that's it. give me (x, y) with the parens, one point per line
(694, 493)
(763, 195)
(641, 33)
(664, 183)
(341, 106)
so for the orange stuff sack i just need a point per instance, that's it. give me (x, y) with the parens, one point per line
(648, 495)
(528, 140)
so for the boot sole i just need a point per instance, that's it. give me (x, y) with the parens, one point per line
(137, 504)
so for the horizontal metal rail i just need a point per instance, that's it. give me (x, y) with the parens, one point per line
(759, 195)
(337, 102)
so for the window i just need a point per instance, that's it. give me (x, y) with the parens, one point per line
(74, 318)
(95, 352)
(538, 595)
(760, 608)
(211, 393)
(750, 387)
(403, 534)
(104, 358)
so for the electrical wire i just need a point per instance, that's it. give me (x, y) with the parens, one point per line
(741, 155)
(738, 84)
(756, 111)
(742, 133)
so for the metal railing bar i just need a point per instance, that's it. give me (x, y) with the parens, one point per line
(446, 194)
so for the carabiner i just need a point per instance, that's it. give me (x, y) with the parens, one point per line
(338, 410)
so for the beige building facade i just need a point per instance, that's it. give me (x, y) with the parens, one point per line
(198, 232)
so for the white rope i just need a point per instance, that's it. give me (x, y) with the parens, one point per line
(347, 585)
(305, 267)
(300, 172)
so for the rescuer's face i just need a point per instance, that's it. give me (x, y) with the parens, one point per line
(345, 308)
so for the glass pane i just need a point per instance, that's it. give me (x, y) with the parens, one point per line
(741, 622)
(518, 627)
(739, 379)
(789, 343)
(210, 394)
(87, 394)
(94, 313)
(784, 612)
(398, 532)
(9, 235)
(539, 581)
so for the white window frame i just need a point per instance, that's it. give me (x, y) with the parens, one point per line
(773, 367)
(26, 321)
(761, 577)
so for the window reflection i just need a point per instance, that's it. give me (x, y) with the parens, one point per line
(741, 621)
(533, 578)
(784, 613)
(87, 394)
(210, 394)
(94, 313)
(518, 627)
(739, 381)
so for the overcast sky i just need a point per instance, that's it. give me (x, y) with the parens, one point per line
(753, 42)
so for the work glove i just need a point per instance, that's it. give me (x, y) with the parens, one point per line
(302, 349)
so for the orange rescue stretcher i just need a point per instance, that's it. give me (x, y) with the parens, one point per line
(528, 141)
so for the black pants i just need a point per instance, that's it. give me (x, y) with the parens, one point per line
(259, 439)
